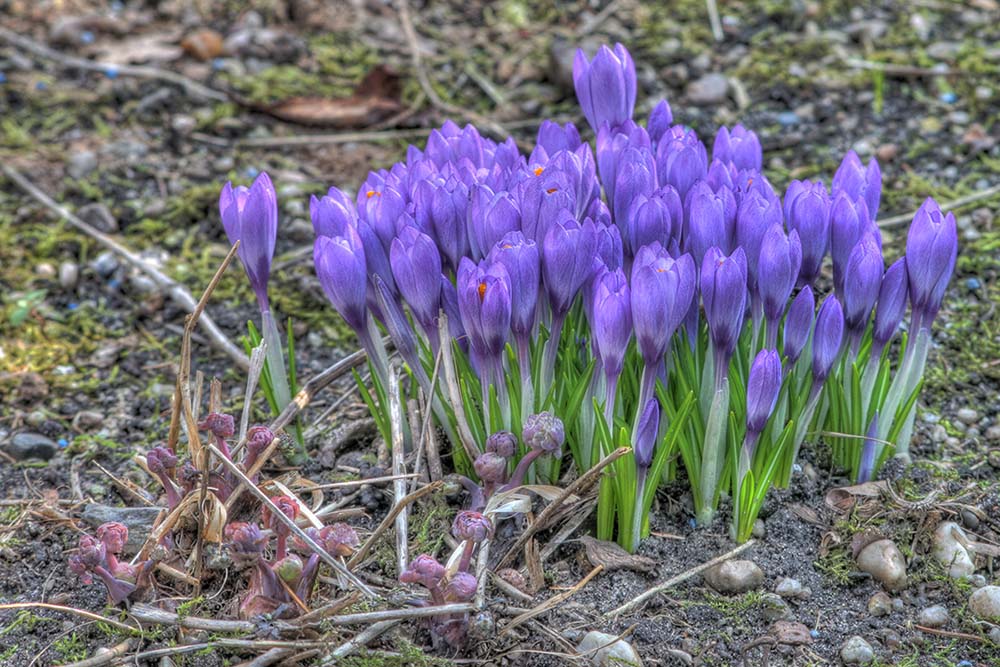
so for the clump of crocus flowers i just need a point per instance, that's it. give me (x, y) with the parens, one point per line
(280, 579)
(100, 556)
(648, 291)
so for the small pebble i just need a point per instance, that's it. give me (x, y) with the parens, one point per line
(69, 274)
(856, 651)
(606, 650)
(734, 576)
(774, 607)
(25, 446)
(880, 604)
(993, 432)
(105, 264)
(934, 617)
(708, 90)
(883, 560)
(98, 216)
(985, 603)
(791, 588)
(87, 420)
(967, 415)
(948, 549)
(81, 164)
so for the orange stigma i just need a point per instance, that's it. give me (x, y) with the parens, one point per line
(551, 190)
(482, 291)
(373, 193)
(539, 170)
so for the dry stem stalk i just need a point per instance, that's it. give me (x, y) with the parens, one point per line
(398, 470)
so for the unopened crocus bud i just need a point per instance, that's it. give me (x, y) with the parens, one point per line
(416, 266)
(706, 225)
(661, 118)
(491, 468)
(848, 221)
(859, 181)
(869, 453)
(662, 291)
(490, 216)
(461, 587)
(114, 535)
(503, 443)
(340, 267)
(552, 138)
(931, 250)
(544, 431)
(724, 292)
(681, 160)
(756, 214)
(332, 213)
(798, 324)
(472, 526)
(339, 539)
(739, 146)
(827, 338)
(519, 255)
(605, 86)
(636, 178)
(891, 304)
(219, 425)
(484, 301)
(289, 569)
(612, 320)
(646, 434)
(808, 211)
(763, 386)
(777, 270)
(567, 261)
(250, 216)
(648, 221)
(862, 279)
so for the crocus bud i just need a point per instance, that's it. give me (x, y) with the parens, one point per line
(636, 178)
(661, 118)
(567, 255)
(544, 431)
(648, 221)
(859, 182)
(340, 267)
(808, 212)
(472, 526)
(491, 468)
(862, 279)
(332, 213)
(827, 338)
(219, 425)
(612, 320)
(289, 569)
(381, 208)
(739, 146)
(798, 324)
(416, 266)
(552, 138)
(646, 434)
(250, 216)
(339, 539)
(461, 587)
(605, 86)
(724, 292)
(763, 386)
(681, 160)
(848, 221)
(611, 144)
(258, 439)
(756, 214)
(662, 291)
(503, 443)
(519, 256)
(891, 303)
(484, 301)
(706, 225)
(777, 270)
(446, 206)
(490, 216)
(161, 460)
(931, 249)
(542, 197)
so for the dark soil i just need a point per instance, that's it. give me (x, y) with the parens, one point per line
(107, 344)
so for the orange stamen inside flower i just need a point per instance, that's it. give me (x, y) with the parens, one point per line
(482, 291)
(551, 190)
(539, 170)
(373, 193)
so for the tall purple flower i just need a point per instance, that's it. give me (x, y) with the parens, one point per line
(636, 178)
(663, 289)
(484, 301)
(552, 138)
(444, 207)
(661, 118)
(798, 324)
(827, 339)
(250, 216)
(777, 269)
(416, 265)
(681, 160)
(567, 255)
(862, 279)
(931, 250)
(756, 214)
(739, 146)
(891, 305)
(808, 211)
(706, 225)
(649, 220)
(849, 220)
(763, 386)
(611, 144)
(340, 267)
(859, 181)
(646, 433)
(519, 256)
(612, 324)
(490, 216)
(605, 86)
(724, 292)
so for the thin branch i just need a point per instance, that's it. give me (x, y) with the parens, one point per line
(904, 218)
(70, 610)
(177, 292)
(682, 577)
(358, 642)
(398, 470)
(553, 601)
(107, 656)
(191, 86)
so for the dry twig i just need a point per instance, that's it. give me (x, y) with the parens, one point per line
(398, 470)
(904, 218)
(552, 601)
(389, 519)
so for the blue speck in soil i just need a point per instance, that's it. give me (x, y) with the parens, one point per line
(251, 172)
(87, 37)
(814, 634)
(62, 442)
(948, 97)
(114, 283)
(41, 85)
(692, 523)
(3, 78)
(787, 118)
(218, 64)
(111, 71)
(796, 467)
(973, 283)
(964, 663)
(72, 306)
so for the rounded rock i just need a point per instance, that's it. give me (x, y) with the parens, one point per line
(934, 617)
(791, 588)
(880, 604)
(606, 650)
(734, 576)
(985, 603)
(884, 562)
(856, 651)
(967, 416)
(949, 551)
(25, 446)
(69, 274)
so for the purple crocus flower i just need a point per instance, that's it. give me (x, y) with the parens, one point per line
(381, 209)
(869, 453)
(757, 214)
(740, 146)
(250, 216)
(332, 213)
(931, 250)
(340, 267)
(663, 289)
(612, 321)
(849, 220)
(541, 198)
(706, 223)
(609, 249)
(862, 279)
(859, 181)
(827, 339)
(646, 434)
(798, 324)
(444, 207)
(808, 212)
(611, 144)
(681, 160)
(519, 256)
(891, 305)
(567, 254)
(649, 221)
(661, 119)
(579, 176)
(484, 301)
(605, 86)
(636, 178)
(416, 265)
(777, 269)
(552, 138)
(763, 386)
(491, 215)
(722, 174)
(724, 292)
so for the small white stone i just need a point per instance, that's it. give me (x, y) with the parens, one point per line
(606, 650)
(985, 603)
(949, 552)
(934, 617)
(856, 651)
(735, 576)
(885, 563)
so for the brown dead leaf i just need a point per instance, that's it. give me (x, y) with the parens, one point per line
(375, 99)
(791, 633)
(844, 498)
(203, 44)
(533, 564)
(613, 557)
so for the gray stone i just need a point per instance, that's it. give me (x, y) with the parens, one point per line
(606, 650)
(949, 551)
(99, 217)
(81, 164)
(934, 617)
(995, 635)
(69, 274)
(985, 603)
(883, 560)
(880, 604)
(87, 420)
(774, 607)
(939, 433)
(856, 651)
(25, 446)
(734, 576)
(943, 50)
(105, 264)
(138, 520)
(708, 89)
(789, 588)
(45, 270)
(967, 415)
(183, 124)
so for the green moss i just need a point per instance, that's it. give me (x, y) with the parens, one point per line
(70, 648)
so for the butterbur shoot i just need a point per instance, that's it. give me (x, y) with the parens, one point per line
(100, 556)
(587, 280)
